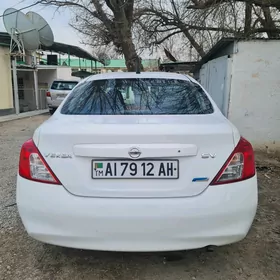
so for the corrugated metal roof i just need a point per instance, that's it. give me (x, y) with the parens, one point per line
(223, 43)
(69, 49)
(5, 38)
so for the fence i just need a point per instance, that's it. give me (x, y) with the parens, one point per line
(42, 99)
(27, 99)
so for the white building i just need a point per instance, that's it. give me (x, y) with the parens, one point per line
(243, 77)
(33, 75)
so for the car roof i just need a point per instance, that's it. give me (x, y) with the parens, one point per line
(133, 75)
(57, 80)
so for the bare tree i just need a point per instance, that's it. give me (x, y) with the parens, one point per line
(162, 19)
(130, 26)
(257, 17)
(104, 23)
(105, 53)
(202, 4)
(203, 22)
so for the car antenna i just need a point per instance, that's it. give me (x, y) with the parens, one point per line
(138, 65)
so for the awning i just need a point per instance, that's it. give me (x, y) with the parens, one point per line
(81, 74)
(69, 49)
(5, 39)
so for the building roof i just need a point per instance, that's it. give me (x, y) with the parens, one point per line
(223, 43)
(5, 39)
(86, 58)
(178, 66)
(70, 50)
(112, 63)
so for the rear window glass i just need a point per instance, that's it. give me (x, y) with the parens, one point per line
(137, 97)
(63, 85)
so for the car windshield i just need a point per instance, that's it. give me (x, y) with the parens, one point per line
(137, 97)
(63, 85)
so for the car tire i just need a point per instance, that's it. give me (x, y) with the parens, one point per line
(52, 111)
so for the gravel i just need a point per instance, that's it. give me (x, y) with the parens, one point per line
(256, 257)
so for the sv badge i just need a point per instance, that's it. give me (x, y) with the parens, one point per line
(208, 155)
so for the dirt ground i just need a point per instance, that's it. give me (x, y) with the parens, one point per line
(255, 258)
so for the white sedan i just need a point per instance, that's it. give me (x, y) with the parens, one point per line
(137, 162)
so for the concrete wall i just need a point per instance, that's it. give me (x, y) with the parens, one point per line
(6, 92)
(255, 93)
(64, 73)
(46, 77)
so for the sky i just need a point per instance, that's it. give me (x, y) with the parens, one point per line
(59, 21)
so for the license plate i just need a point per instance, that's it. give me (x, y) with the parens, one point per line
(61, 96)
(139, 169)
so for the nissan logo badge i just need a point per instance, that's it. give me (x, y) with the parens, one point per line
(134, 153)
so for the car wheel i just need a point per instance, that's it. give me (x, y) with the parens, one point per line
(52, 111)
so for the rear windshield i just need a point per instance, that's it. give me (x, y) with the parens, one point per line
(63, 85)
(137, 97)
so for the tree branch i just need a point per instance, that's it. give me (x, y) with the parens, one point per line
(160, 41)
(210, 3)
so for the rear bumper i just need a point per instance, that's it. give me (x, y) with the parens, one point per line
(221, 215)
(53, 103)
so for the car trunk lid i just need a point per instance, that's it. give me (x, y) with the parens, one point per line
(73, 145)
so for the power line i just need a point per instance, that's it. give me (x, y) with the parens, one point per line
(32, 5)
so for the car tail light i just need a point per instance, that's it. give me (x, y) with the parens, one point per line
(32, 165)
(48, 94)
(239, 166)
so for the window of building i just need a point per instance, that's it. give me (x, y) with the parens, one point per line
(96, 71)
(20, 88)
(19, 59)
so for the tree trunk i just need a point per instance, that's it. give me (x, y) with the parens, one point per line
(269, 23)
(123, 27)
(248, 18)
(130, 54)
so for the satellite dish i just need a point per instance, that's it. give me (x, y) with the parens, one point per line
(21, 29)
(45, 32)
